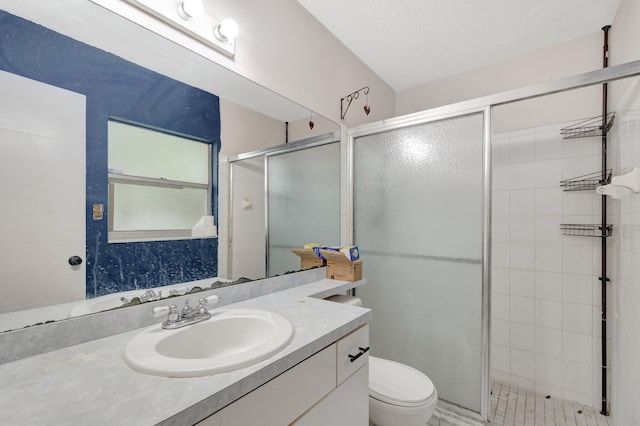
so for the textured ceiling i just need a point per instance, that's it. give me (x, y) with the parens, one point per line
(409, 42)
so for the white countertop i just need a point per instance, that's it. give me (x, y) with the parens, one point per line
(89, 384)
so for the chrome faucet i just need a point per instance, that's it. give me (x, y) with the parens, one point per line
(187, 316)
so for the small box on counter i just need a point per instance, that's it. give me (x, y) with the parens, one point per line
(349, 252)
(340, 267)
(308, 258)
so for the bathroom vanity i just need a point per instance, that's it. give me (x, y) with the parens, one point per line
(312, 381)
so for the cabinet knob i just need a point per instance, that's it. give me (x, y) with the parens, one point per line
(75, 260)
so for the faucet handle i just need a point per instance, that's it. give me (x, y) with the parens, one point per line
(213, 299)
(164, 310)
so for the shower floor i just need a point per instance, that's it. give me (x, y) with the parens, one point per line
(513, 406)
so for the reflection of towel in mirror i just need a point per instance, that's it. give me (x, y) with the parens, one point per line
(204, 228)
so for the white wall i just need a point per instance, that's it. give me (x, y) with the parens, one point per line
(244, 130)
(284, 48)
(573, 57)
(625, 98)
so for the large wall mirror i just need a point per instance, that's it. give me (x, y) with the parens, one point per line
(66, 72)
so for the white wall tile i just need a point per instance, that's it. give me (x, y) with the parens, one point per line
(523, 229)
(548, 285)
(548, 257)
(522, 175)
(500, 177)
(577, 318)
(523, 364)
(549, 342)
(577, 203)
(500, 280)
(523, 147)
(548, 229)
(501, 229)
(576, 376)
(500, 332)
(577, 347)
(499, 376)
(578, 288)
(548, 313)
(522, 382)
(523, 310)
(500, 149)
(548, 145)
(523, 202)
(500, 254)
(577, 260)
(523, 283)
(548, 173)
(523, 256)
(500, 203)
(500, 306)
(500, 358)
(548, 201)
(549, 370)
(523, 337)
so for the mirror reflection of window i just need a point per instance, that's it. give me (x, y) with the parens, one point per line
(159, 183)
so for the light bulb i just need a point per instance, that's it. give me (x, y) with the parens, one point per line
(227, 30)
(190, 9)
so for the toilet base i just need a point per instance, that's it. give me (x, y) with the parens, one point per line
(383, 414)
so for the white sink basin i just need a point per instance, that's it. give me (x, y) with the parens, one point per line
(103, 303)
(231, 339)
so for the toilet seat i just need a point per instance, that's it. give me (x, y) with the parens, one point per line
(398, 384)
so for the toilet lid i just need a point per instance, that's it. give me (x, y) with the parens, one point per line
(398, 384)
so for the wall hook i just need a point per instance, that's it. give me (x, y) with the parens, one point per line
(350, 97)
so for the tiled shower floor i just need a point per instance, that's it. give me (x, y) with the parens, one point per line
(512, 406)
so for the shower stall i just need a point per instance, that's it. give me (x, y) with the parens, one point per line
(421, 189)
(282, 198)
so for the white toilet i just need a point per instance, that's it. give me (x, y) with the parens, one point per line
(399, 395)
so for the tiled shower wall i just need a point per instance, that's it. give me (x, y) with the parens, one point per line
(545, 289)
(627, 314)
(241, 225)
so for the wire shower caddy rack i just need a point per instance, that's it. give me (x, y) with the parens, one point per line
(589, 128)
(586, 230)
(588, 182)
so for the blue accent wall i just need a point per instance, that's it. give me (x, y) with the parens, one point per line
(119, 88)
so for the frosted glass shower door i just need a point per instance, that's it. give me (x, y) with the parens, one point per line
(303, 200)
(418, 219)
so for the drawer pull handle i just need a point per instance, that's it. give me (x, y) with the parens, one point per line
(363, 351)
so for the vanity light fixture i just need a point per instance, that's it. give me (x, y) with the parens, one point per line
(187, 16)
(189, 9)
(227, 30)
(350, 97)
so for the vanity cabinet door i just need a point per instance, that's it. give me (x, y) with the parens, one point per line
(348, 405)
(283, 399)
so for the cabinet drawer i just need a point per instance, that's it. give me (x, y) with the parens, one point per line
(353, 352)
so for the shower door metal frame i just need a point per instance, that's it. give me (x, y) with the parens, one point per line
(484, 105)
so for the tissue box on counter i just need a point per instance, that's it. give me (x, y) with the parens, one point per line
(308, 258)
(348, 252)
(340, 266)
